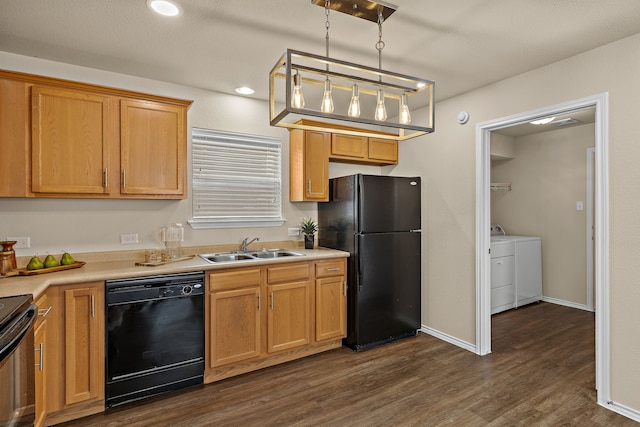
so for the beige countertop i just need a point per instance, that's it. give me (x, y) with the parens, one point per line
(114, 268)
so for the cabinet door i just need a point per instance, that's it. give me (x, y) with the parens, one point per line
(235, 325)
(385, 150)
(69, 142)
(331, 308)
(152, 148)
(84, 343)
(349, 146)
(288, 320)
(316, 154)
(40, 341)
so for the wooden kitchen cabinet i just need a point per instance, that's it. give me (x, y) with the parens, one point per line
(69, 141)
(289, 314)
(41, 344)
(363, 150)
(75, 381)
(233, 316)
(309, 165)
(153, 148)
(331, 300)
(310, 152)
(74, 140)
(263, 316)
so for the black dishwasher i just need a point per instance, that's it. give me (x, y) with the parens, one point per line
(154, 335)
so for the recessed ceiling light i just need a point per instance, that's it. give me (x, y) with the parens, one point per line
(543, 121)
(164, 7)
(244, 90)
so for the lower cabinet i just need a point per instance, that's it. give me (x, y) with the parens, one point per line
(233, 316)
(42, 348)
(331, 300)
(74, 358)
(262, 316)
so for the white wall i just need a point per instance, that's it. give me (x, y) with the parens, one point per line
(446, 160)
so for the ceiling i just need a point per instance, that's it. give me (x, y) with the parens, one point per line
(222, 44)
(560, 121)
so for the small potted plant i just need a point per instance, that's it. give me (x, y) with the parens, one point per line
(308, 227)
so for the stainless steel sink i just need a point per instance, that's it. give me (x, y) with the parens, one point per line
(248, 256)
(275, 254)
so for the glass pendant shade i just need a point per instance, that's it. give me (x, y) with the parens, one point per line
(404, 115)
(354, 105)
(327, 99)
(381, 110)
(297, 99)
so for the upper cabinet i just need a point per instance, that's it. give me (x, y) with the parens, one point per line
(310, 152)
(363, 150)
(152, 148)
(74, 140)
(69, 141)
(309, 166)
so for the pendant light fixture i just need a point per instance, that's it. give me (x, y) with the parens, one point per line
(354, 105)
(297, 100)
(381, 102)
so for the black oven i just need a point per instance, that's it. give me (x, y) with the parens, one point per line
(17, 372)
(155, 335)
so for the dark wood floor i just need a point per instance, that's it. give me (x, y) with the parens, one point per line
(541, 372)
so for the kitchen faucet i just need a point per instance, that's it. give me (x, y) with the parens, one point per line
(246, 242)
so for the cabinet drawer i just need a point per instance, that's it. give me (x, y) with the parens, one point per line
(502, 271)
(44, 304)
(330, 268)
(232, 279)
(287, 273)
(502, 250)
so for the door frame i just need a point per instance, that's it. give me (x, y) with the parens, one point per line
(483, 223)
(590, 226)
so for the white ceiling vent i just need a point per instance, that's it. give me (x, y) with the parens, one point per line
(565, 122)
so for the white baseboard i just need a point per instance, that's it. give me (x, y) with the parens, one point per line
(567, 303)
(622, 410)
(448, 338)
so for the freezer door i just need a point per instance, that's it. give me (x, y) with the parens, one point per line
(388, 287)
(337, 217)
(388, 203)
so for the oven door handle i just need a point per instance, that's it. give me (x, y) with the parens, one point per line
(16, 330)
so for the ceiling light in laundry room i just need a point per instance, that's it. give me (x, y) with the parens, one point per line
(164, 7)
(543, 121)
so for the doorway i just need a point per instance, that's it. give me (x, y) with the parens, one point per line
(483, 220)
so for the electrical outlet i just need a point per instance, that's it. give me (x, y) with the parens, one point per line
(129, 239)
(22, 242)
(294, 231)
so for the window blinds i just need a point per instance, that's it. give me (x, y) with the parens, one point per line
(236, 178)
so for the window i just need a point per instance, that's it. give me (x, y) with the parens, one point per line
(236, 180)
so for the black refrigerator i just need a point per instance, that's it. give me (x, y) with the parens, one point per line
(377, 220)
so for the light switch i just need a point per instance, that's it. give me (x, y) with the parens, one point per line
(579, 206)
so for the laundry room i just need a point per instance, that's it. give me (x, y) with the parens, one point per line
(542, 194)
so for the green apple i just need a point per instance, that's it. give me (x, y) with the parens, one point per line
(67, 259)
(35, 264)
(50, 261)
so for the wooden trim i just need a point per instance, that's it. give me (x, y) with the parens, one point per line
(51, 81)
